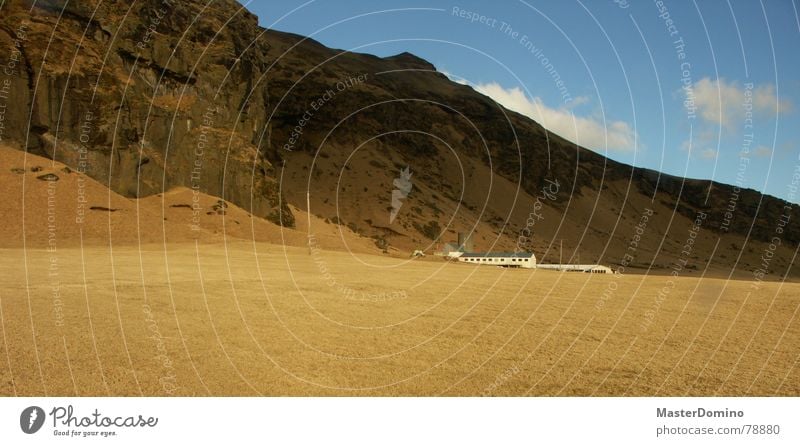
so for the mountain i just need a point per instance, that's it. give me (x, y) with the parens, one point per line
(156, 94)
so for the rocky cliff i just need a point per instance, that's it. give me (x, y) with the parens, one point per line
(144, 95)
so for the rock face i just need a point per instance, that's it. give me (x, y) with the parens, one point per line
(142, 97)
(152, 94)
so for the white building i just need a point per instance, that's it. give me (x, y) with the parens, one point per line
(599, 269)
(504, 259)
(522, 260)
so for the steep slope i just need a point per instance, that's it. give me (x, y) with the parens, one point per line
(158, 94)
(49, 206)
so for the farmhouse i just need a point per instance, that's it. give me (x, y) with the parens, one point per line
(462, 252)
(503, 259)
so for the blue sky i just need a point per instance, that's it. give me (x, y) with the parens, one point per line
(607, 74)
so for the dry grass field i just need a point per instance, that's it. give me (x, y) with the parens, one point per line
(243, 318)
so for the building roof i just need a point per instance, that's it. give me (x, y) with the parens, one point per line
(523, 255)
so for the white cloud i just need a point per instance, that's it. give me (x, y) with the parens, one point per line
(579, 100)
(708, 154)
(764, 98)
(699, 148)
(762, 151)
(722, 102)
(585, 131)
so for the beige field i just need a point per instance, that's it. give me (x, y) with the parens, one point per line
(263, 319)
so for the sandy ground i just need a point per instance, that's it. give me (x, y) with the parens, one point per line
(261, 319)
